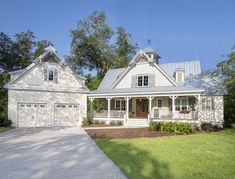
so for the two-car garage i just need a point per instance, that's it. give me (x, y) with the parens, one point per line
(36, 115)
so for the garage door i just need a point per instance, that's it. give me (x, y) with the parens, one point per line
(32, 115)
(66, 114)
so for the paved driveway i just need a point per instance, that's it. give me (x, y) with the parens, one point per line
(53, 153)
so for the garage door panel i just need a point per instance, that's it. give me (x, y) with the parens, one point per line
(66, 114)
(32, 114)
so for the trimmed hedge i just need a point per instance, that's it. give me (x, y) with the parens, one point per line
(178, 128)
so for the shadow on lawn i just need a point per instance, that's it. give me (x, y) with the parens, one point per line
(135, 162)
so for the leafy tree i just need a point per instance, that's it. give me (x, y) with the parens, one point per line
(40, 46)
(24, 45)
(124, 49)
(3, 98)
(226, 70)
(93, 46)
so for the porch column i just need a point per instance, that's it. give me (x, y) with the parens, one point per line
(173, 105)
(109, 99)
(127, 106)
(91, 107)
(150, 98)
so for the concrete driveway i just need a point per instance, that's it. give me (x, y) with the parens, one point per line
(53, 153)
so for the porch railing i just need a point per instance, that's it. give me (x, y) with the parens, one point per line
(113, 114)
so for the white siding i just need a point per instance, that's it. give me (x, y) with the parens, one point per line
(50, 98)
(144, 68)
(35, 77)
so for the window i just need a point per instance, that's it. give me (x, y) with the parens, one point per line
(207, 103)
(143, 80)
(120, 104)
(50, 75)
(181, 104)
(159, 103)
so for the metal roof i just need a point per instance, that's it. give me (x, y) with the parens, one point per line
(110, 77)
(190, 67)
(161, 89)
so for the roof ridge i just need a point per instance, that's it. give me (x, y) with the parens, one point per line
(180, 62)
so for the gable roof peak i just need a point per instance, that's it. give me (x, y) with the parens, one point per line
(50, 48)
(150, 50)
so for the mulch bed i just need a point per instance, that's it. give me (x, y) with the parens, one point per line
(125, 133)
(99, 125)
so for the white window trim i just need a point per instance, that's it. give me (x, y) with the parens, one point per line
(49, 69)
(142, 80)
(157, 102)
(180, 105)
(121, 102)
(176, 76)
(206, 102)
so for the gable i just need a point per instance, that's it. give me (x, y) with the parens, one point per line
(141, 64)
(36, 75)
(144, 68)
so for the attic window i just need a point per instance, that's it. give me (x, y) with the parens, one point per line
(179, 75)
(50, 75)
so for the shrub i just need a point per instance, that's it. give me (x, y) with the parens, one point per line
(119, 123)
(5, 122)
(96, 122)
(178, 128)
(102, 122)
(209, 127)
(112, 123)
(86, 122)
(154, 126)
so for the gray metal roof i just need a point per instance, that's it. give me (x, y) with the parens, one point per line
(110, 77)
(162, 89)
(190, 68)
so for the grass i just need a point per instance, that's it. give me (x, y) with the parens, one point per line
(2, 129)
(210, 155)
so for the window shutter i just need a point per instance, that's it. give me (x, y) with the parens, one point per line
(152, 80)
(203, 103)
(213, 103)
(56, 75)
(45, 74)
(133, 81)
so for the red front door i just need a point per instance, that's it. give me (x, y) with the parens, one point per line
(141, 107)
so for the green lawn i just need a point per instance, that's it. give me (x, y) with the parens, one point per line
(2, 129)
(194, 156)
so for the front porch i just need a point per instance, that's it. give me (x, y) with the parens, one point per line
(141, 110)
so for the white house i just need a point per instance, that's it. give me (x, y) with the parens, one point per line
(147, 90)
(46, 93)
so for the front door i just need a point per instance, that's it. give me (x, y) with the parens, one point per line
(142, 108)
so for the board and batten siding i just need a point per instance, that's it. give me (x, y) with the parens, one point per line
(156, 78)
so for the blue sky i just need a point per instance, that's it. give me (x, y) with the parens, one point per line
(179, 30)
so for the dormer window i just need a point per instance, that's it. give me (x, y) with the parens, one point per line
(50, 75)
(143, 80)
(179, 75)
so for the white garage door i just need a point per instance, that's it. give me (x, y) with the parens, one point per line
(32, 115)
(66, 114)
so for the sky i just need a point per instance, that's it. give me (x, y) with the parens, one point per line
(179, 30)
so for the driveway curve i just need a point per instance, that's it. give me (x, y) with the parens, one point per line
(53, 153)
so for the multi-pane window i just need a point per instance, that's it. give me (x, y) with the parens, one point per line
(181, 104)
(207, 103)
(159, 103)
(50, 75)
(143, 80)
(120, 104)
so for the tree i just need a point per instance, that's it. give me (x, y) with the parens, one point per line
(124, 49)
(24, 45)
(94, 47)
(40, 46)
(226, 71)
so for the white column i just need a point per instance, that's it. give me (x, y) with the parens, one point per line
(127, 107)
(108, 99)
(91, 107)
(173, 105)
(150, 98)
